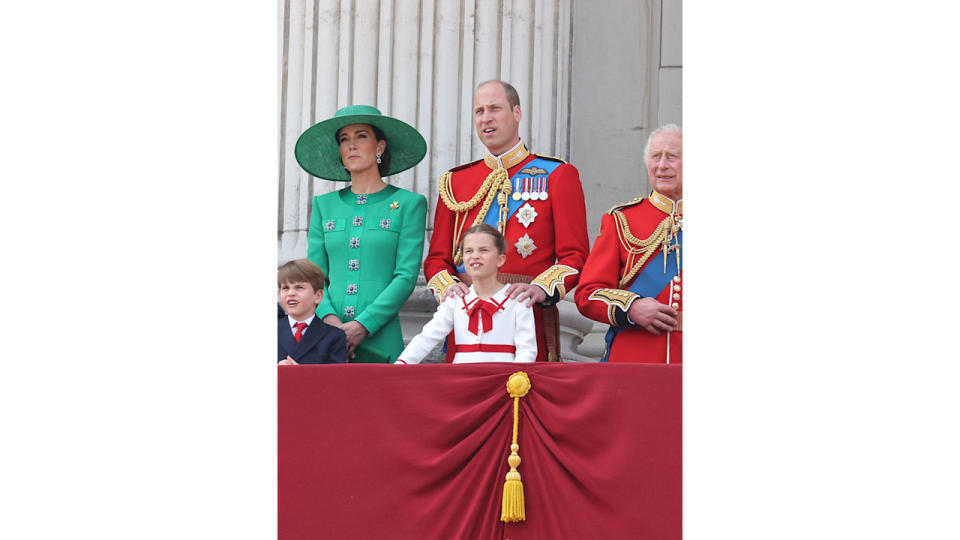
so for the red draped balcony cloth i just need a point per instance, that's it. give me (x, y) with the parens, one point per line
(371, 451)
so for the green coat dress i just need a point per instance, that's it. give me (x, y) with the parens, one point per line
(370, 249)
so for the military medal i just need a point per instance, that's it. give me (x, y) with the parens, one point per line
(526, 189)
(536, 191)
(543, 189)
(516, 190)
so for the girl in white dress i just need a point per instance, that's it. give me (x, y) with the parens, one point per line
(488, 326)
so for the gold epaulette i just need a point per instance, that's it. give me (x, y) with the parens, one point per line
(465, 165)
(638, 200)
(552, 158)
(552, 278)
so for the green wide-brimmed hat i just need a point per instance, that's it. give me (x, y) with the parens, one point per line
(318, 151)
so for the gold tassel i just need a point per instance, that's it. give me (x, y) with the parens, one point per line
(502, 201)
(512, 509)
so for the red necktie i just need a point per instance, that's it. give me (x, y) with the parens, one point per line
(300, 326)
(481, 309)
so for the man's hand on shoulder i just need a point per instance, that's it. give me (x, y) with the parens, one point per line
(526, 292)
(457, 289)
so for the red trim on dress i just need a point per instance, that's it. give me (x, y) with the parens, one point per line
(485, 347)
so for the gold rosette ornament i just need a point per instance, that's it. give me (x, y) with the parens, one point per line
(517, 386)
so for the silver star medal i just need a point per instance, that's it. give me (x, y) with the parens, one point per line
(526, 215)
(525, 246)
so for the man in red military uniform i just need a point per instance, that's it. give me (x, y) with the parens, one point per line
(535, 201)
(633, 276)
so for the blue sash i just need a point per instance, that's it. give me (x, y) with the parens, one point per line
(648, 283)
(493, 215)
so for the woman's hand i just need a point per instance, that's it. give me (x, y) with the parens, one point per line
(333, 320)
(355, 334)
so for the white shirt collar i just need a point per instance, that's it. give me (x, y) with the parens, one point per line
(292, 321)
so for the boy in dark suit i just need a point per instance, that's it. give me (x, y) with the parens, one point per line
(302, 338)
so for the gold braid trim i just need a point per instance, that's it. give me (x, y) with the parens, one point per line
(552, 278)
(446, 193)
(615, 299)
(497, 184)
(635, 247)
(440, 282)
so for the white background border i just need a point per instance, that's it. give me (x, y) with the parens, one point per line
(138, 395)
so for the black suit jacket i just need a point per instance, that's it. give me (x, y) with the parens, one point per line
(320, 344)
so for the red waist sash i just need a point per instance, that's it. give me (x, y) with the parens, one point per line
(483, 347)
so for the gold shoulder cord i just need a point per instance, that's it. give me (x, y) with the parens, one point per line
(496, 184)
(636, 247)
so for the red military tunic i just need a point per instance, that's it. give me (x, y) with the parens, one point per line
(629, 233)
(547, 239)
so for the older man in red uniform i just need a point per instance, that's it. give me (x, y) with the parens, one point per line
(535, 201)
(632, 279)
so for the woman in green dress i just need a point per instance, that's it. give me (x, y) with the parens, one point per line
(367, 237)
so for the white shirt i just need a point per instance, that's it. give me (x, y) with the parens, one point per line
(292, 322)
(512, 325)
